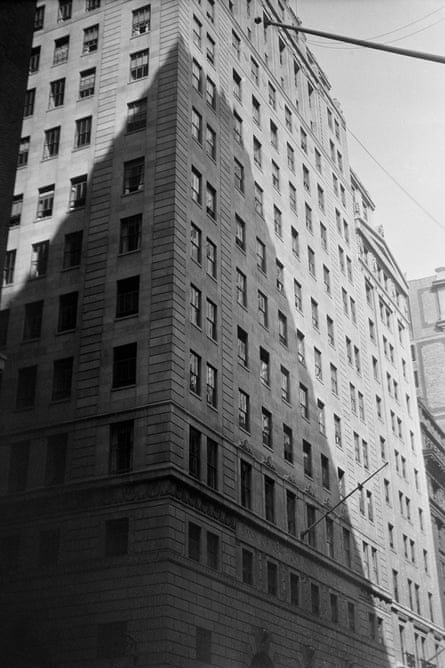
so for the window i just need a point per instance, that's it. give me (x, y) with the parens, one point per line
(90, 39)
(197, 32)
(210, 50)
(210, 200)
(72, 251)
(26, 387)
(211, 320)
(236, 79)
(127, 296)
(61, 50)
(282, 328)
(197, 76)
(56, 93)
(288, 444)
(78, 192)
(211, 258)
(308, 217)
(4, 325)
(242, 338)
(210, 93)
(247, 566)
(243, 410)
(28, 107)
(239, 175)
(246, 484)
(18, 466)
(315, 599)
(272, 96)
(315, 314)
(33, 320)
(195, 306)
(121, 446)
(330, 329)
(39, 259)
(116, 537)
(361, 406)
(262, 309)
(124, 365)
(256, 111)
(334, 379)
(55, 459)
(195, 373)
(62, 378)
(39, 17)
(290, 158)
(279, 276)
(307, 458)
(292, 197)
(337, 430)
(211, 386)
(238, 129)
(212, 463)
(212, 550)
(266, 422)
(269, 499)
(16, 210)
(306, 179)
(264, 366)
(136, 115)
(273, 135)
(23, 154)
(311, 261)
(45, 202)
(294, 586)
(65, 8)
(91, 5)
(285, 384)
(211, 147)
(275, 176)
(133, 176)
(141, 19)
(254, 68)
(272, 579)
(139, 64)
(258, 195)
(67, 312)
(195, 453)
(298, 297)
(288, 118)
(51, 143)
(325, 474)
(87, 83)
(83, 132)
(241, 288)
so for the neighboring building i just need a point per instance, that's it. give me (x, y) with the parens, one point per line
(427, 306)
(16, 24)
(192, 380)
(433, 439)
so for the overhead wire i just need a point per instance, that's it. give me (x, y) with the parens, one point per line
(313, 42)
(399, 185)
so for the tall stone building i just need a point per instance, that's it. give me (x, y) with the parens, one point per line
(206, 355)
(427, 305)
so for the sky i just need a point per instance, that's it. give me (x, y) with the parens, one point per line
(395, 106)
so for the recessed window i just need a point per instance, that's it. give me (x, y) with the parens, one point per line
(28, 107)
(83, 132)
(243, 410)
(32, 325)
(23, 154)
(127, 296)
(51, 143)
(65, 10)
(90, 39)
(39, 17)
(39, 259)
(45, 202)
(87, 83)
(78, 192)
(72, 251)
(141, 20)
(16, 210)
(116, 537)
(137, 115)
(121, 446)
(124, 365)
(130, 234)
(195, 373)
(139, 65)
(133, 176)
(67, 312)
(9, 267)
(61, 50)
(55, 466)
(34, 60)
(62, 379)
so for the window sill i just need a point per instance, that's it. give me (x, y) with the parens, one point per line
(123, 387)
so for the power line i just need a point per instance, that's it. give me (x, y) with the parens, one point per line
(390, 32)
(399, 185)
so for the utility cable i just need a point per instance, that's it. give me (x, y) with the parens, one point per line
(399, 185)
(384, 34)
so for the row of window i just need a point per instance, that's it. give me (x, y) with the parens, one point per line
(120, 457)
(52, 139)
(141, 17)
(127, 304)
(64, 11)
(139, 61)
(124, 375)
(412, 592)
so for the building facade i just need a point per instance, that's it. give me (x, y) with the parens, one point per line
(427, 305)
(192, 381)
